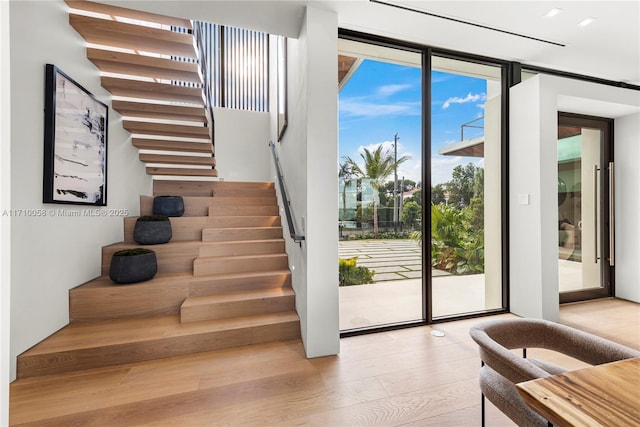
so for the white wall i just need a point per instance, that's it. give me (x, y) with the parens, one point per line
(242, 146)
(53, 253)
(533, 173)
(308, 154)
(627, 178)
(5, 221)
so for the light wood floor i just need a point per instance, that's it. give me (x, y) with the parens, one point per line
(399, 378)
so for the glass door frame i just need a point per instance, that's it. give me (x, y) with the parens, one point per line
(511, 72)
(607, 271)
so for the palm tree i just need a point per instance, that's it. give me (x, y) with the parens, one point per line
(378, 165)
(346, 173)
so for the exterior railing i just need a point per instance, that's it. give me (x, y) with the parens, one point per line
(298, 238)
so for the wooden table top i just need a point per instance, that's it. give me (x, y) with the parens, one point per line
(602, 395)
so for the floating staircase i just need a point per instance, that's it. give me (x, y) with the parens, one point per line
(148, 62)
(223, 281)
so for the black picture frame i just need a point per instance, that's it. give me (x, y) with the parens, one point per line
(75, 142)
(281, 84)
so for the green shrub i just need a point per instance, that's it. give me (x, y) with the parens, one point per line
(351, 274)
(383, 235)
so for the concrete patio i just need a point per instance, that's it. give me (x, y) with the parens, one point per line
(396, 294)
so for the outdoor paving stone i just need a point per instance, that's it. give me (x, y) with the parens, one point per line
(395, 256)
(387, 276)
(415, 267)
(437, 273)
(372, 264)
(412, 274)
(394, 269)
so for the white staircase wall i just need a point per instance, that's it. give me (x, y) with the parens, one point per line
(51, 254)
(242, 145)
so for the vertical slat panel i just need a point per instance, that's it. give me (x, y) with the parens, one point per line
(235, 66)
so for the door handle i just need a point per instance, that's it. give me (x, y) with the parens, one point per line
(595, 212)
(612, 215)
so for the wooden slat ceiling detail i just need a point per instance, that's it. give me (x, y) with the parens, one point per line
(568, 131)
(344, 65)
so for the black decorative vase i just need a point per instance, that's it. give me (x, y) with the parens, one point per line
(133, 266)
(152, 230)
(168, 205)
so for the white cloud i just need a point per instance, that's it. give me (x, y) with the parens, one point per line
(389, 90)
(442, 168)
(469, 98)
(358, 107)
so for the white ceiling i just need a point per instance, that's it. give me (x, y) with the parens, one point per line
(609, 48)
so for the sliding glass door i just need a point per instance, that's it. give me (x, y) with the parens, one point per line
(466, 196)
(379, 194)
(421, 169)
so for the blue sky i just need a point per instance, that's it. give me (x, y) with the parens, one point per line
(382, 99)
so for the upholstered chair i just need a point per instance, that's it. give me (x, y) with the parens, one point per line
(502, 368)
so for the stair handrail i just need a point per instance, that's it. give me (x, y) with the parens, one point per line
(297, 238)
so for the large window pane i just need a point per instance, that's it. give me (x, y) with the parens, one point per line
(466, 188)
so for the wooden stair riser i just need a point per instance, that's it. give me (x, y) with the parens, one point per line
(201, 206)
(241, 248)
(169, 145)
(134, 37)
(243, 210)
(159, 296)
(204, 266)
(190, 228)
(148, 110)
(166, 129)
(153, 348)
(229, 234)
(122, 12)
(207, 308)
(222, 284)
(177, 159)
(172, 258)
(165, 92)
(182, 172)
(143, 66)
(224, 201)
(207, 189)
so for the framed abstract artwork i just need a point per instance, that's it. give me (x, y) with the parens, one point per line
(75, 142)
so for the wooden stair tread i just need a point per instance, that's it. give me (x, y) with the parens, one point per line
(148, 66)
(244, 200)
(241, 275)
(130, 88)
(177, 160)
(160, 111)
(105, 282)
(166, 145)
(245, 257)
(181, 172)
(166, 129)
(131, 36)
(83, 335)
(195, 301)
(123, 12)
(246, 228)
(217, 188)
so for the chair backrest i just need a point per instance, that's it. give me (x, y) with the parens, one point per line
(496, 338)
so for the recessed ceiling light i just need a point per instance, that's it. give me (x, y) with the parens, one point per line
(553, 12)
(586, 22)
